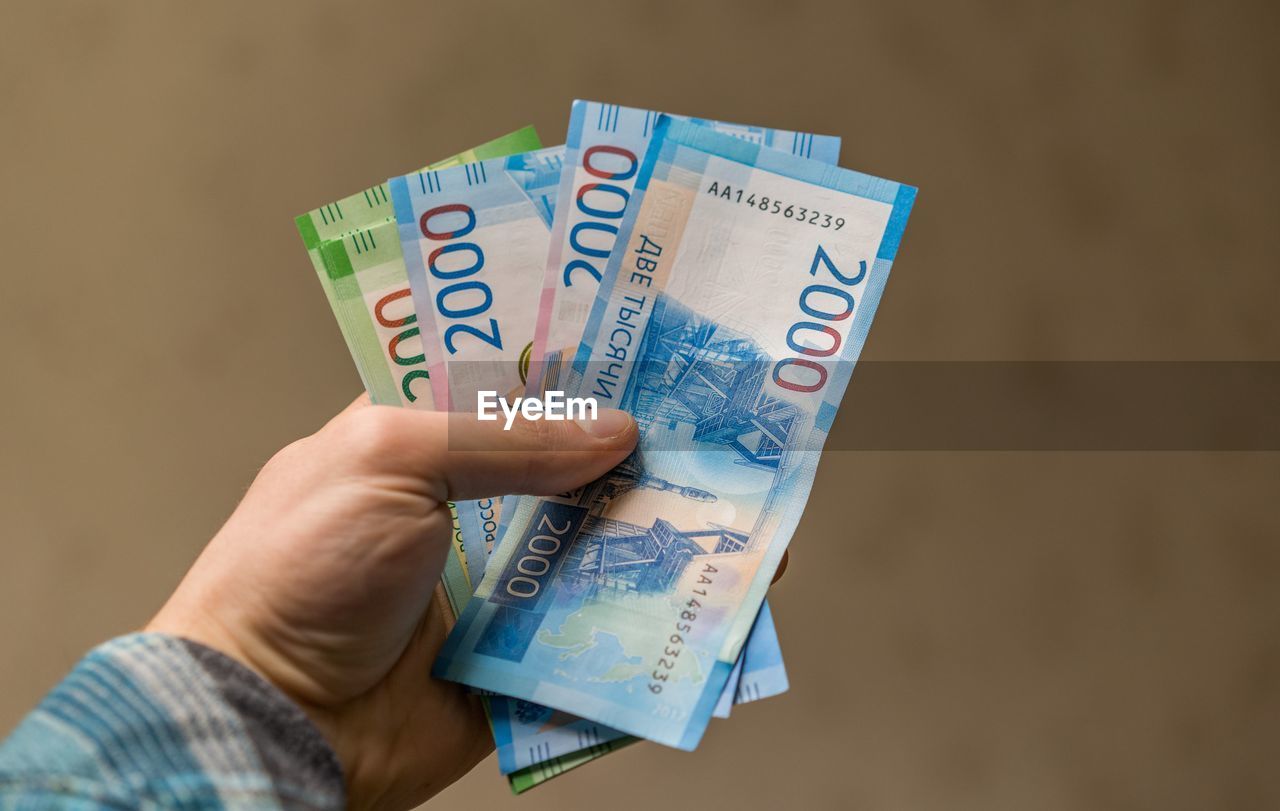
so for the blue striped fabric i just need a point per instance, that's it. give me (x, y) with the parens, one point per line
(149, 720)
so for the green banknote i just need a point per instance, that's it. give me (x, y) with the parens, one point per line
(373, 205)
(368, 290)
(539, 773)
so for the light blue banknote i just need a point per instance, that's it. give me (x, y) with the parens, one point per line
(474, 239)
(763, 673)
(527, 733)
(502, 207)
(724, 704)
(759, 672)
(729, 320)
(602, 160)
(602, 156)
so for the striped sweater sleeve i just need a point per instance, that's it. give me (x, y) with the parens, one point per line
(152, 721)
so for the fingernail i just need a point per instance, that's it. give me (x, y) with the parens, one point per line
(608, 423)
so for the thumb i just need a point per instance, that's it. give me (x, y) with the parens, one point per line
(536, 457)
(458, 457)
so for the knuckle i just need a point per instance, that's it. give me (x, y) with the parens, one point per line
(532, 434)
(536, 441)
(284, 458)
(369, 433)
(533, 473)
(544, 434)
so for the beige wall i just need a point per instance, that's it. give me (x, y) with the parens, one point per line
(963, 630)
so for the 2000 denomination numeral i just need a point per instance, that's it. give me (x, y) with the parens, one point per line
(823, 302)
(448, 303)
(393, 345)
(534, 565)
(608, 201)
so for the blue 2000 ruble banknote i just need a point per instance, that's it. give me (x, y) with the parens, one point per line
(602, 157)
(474, 239)
(732, 311)
(481, 231)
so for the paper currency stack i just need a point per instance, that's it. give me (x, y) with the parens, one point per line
(715, 280)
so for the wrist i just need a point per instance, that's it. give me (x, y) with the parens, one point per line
(243, 648)
(244, 743)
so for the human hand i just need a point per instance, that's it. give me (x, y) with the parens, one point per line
(324, 580)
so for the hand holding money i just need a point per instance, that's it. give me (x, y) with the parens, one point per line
(324, 581)
(715, 280)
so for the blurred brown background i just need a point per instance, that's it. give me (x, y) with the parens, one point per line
(963, 630)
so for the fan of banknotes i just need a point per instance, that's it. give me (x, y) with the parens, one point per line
(715, 280)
